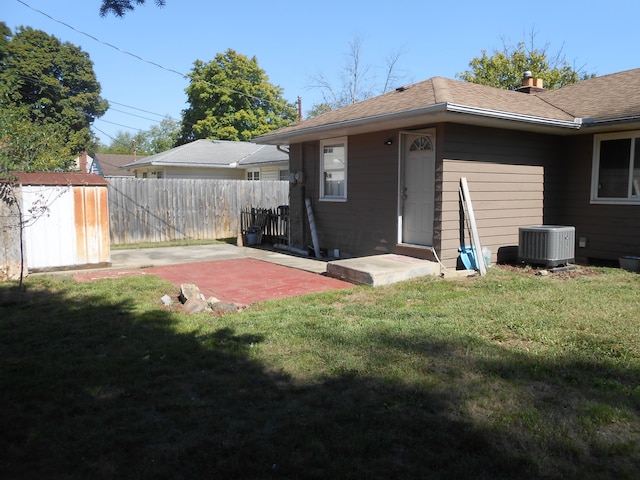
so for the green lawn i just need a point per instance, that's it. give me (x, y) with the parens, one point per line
(505, 376)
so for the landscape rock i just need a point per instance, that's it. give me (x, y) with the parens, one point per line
(166, 300)
(189, 291)
(194, 305)
(226, 307)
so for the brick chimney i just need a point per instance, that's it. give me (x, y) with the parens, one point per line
(83, 162)
(530, 84)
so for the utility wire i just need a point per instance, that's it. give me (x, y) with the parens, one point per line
(171, 70)
(133, 114)
(120, 125)
(139, 109)
(137, 57)
(37, 81)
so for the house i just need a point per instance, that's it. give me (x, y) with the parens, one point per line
(216, 159)
(111, 164)
(106, 165)
(383, 175)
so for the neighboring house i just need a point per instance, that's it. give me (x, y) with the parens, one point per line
(106, 165)
(217, 159)
(383, 175)
(111, 164)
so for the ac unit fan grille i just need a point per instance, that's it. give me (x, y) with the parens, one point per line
(548, 245)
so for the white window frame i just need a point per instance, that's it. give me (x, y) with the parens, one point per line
(283, 175)
(334, 142)
(631, 199)
(251, 174)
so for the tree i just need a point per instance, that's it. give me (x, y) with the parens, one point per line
(231, 98)
(505, 68)
(357, 80)
(55, 81)
(162, 137)
(29, 146)
(158, 138)
(124, 143)
(120, 7)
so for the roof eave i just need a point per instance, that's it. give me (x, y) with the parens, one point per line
(179, 164)
(574, 124)
(433, 113)
(350, 127)
(631, 122)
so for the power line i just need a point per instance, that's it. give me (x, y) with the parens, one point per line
(37, 81)
(120, 125)
(137, 57)
(139, 109)
(171, 70)
(134, 115)
(104, 133)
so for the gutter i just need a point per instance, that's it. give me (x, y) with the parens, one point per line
(358, 122)
(592, 122)
(406, 116)
(171, 164)
(576, 123)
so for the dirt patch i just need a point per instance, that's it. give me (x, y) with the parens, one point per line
(573, 271)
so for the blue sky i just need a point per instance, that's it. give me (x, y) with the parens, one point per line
(295, 40)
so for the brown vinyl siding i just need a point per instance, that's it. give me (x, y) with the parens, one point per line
(515, 179)
(504, 197)
(505, 172)
(364, 224)
(610, 230)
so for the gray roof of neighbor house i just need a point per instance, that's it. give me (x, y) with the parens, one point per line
(441, 99)
(110, 164)
(215, 154)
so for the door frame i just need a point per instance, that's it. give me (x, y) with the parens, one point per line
(431, 133)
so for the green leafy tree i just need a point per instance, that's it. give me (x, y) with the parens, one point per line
(231, 98)
(55, 80)
(162, 137)
(505, 68)
(120, 7)
(158, 138)
(124, 143)
(28, 146)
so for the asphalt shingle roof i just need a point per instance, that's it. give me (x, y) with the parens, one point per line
(215, 153)
(610, 96)
(111, 163)
(601, 98)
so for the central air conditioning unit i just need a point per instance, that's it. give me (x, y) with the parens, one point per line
(548, 245)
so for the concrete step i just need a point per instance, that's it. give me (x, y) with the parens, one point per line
(381, 269)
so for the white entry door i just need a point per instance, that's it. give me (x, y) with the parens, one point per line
(417, 188)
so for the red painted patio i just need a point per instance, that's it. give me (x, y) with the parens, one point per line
(243, 280)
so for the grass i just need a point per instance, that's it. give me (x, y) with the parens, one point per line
(505, 376)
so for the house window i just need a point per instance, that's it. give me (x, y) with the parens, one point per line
(283, 175)
(253, 174)
(420, 144)
(333, 169)
(616, 168)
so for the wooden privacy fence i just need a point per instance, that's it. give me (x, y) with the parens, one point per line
(159, 210)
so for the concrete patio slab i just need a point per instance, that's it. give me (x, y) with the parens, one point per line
(381, 269)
